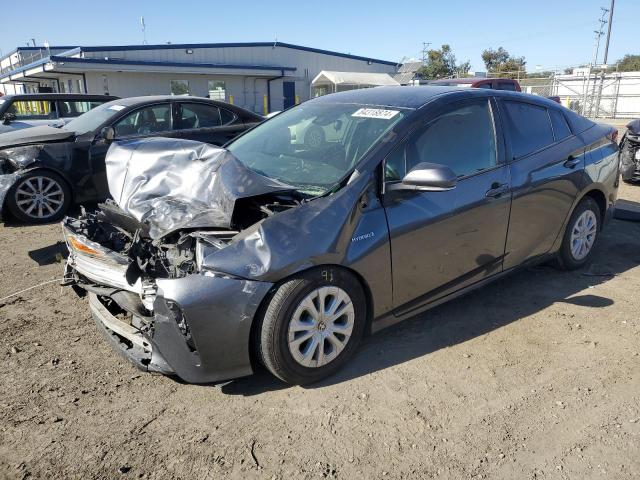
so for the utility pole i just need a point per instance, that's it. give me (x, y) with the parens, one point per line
(425, 52)
(599, 33)
(606, 57)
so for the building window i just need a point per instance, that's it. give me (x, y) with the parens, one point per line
(105, 84)
(217, 90)
(179, 87)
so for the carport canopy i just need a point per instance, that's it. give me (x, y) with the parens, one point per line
(339, 81)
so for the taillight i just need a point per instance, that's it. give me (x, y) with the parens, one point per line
(613, 136)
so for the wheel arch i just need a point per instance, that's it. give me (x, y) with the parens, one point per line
(256, 324)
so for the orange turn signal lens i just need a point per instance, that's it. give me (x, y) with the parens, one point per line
(81, 247)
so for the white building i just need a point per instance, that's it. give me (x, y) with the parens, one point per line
(262, 77)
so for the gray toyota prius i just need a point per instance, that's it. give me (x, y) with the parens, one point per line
(207, 261)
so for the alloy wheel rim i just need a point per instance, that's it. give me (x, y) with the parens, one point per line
(583, 235)
(39, 197)
(321, 327)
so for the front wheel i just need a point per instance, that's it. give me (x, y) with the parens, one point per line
(580, 235)
(312, 325)
(39, 197)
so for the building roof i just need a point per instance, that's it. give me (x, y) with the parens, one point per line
(353, 78)
(407, 72)
(173, 46)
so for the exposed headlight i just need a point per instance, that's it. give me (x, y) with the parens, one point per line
(20, 157)
(7, 166)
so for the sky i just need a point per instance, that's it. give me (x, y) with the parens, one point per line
(549, 34)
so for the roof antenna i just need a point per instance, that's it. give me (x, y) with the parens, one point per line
(275, 41)
(144, 31)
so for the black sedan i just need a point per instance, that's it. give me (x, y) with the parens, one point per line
(43, 170)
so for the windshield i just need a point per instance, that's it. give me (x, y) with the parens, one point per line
(90, 121)
(314, 145)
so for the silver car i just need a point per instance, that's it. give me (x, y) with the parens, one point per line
(208, 260)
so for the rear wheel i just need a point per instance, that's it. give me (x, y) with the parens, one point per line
(312, 325)
(581, 235)
(39, 197)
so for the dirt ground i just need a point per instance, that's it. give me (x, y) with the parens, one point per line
(535, 376)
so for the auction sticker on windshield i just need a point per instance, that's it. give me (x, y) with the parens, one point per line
(375, 113)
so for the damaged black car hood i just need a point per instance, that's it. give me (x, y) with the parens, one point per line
(172, 184)
(35, 135)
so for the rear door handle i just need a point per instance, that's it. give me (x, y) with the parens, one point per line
(496, 190)
(571, 162)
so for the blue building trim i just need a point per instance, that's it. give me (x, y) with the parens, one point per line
(116, 61)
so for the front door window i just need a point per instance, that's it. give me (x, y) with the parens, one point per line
(145, 121)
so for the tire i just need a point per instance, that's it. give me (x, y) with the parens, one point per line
(581, 235)
(39, 197)
(314, 137)
(301, 348)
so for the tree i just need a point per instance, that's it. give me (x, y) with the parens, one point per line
(629, 63)
(441, 64)
(502, 63)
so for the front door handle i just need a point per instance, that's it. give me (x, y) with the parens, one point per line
(497, 190)
(571, 162)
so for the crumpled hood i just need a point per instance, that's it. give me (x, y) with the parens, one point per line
(33, 135)
(170, 184)
(634, 126)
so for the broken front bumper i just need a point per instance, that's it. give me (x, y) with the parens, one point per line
(199, 326)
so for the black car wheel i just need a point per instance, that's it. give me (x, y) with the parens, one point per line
(581, 235)
(39, 197)
(312, 325)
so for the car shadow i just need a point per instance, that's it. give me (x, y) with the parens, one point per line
(478, 313)
(9, 221)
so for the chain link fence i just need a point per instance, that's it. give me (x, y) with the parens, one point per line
(595, 95)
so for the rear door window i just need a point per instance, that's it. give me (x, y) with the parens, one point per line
(197, 115)
(560, 126)
(70, 109)
(506, 86)
(529, 127)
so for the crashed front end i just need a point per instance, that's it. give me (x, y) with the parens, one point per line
(151, 289)
(630, 153)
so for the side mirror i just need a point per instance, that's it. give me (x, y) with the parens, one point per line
(107, 134)
(8, 118)
(429, 177)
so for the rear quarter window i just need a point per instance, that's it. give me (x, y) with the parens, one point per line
(577, 122)
(560, 126)
(529, 127)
